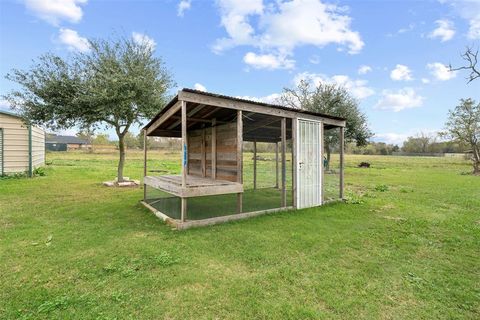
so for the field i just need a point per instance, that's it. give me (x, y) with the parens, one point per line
(406, 245)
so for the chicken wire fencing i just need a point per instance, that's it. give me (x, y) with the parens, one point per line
(331, 164)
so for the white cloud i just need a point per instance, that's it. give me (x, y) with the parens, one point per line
(470, 11)
(444, 31)
(402, 99)
(271, 98)
(4, 104)
(314, 59)
(358, 88)
(401, 73)
(73, 40)
(364, 69)
(425, 80)
(391, 137)
(183, 6)
(55, 11)
(474, 30)
(268, 61)
(141, 38)
(441, 72)
(199, 87)
(282, 26)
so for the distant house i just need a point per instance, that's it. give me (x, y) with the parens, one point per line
(66, 143)
(22, 146)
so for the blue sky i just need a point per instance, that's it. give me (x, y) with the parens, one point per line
(390, 54)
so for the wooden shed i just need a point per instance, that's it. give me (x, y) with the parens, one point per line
(212, 186)
(22, 146)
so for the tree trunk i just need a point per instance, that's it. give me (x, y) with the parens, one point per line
(329, 152)
(121, 162)
(476, 159)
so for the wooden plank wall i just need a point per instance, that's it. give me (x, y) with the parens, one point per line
(200, 152)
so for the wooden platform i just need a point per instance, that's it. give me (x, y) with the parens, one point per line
(196, 186)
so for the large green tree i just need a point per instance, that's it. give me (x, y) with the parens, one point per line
(463, 126)
(116, 84)
(333, 100)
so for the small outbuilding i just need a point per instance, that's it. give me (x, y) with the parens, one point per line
(22, 146)
(221, 181)
(66, 143)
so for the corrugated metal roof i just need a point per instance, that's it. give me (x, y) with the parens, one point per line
(268, 105)
(65, 139)
(8, 113)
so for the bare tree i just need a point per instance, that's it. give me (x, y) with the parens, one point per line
(471, 57)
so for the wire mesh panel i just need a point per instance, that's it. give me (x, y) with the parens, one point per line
(164, 202)
(1, 152)
(331, 164)
(262, 176)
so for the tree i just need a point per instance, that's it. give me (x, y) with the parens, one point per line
(140, 140)
(88, 135)
(131, 141)
(463, 125)
(333, 100)
(420, 143)
(101, 139)
(471, 57)
(115, 84)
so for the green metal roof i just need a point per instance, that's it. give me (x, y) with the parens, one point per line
(8, 113)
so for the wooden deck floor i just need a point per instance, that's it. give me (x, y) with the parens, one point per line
(195, 186)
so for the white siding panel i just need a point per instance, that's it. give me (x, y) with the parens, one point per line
(16, 143)
(38, 147)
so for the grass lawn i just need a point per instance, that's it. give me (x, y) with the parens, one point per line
(405, 246)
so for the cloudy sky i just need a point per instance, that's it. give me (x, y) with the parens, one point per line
(391, 55)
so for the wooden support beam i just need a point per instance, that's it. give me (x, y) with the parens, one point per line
(144, 164)
(201, 120)
(276, 165)
(284, 162)
(342, 160)
(170, 112)
(203, 154)
(322, 155)
(183, 214)
(239, 159)
(255, 164)
(191, 113)
(252, 107)
(261, 124)
(294, 161)
(214, 148)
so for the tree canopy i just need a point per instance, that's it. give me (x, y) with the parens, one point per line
(116, 84)
(333, 100)
(463, 125)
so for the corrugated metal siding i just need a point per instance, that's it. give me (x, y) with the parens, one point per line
(15, 144)
(38, 147)
(15, 136)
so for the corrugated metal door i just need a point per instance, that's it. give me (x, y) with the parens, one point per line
(1, 152)
(309, 166)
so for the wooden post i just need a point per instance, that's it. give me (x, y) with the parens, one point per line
(342, 160)
(255, 164)
(203, 155)
(239, 158)
(284, 162)
(184, 159)
(144, 164)
(276, 165)
(322, 154)
(294, 161)
(214, 148)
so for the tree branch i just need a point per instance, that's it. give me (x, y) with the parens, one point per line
(471, 57)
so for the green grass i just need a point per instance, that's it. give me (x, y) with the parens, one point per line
(406, 245)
